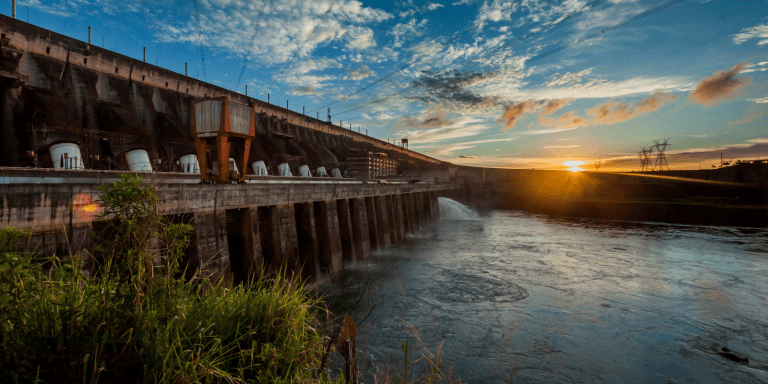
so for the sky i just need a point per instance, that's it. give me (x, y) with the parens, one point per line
(495, 83)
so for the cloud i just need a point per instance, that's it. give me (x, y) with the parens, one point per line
(513, 112)
(359, 73)
(568, 78)
(451, 90)
(747, 119)
(561, 146)
(609, 112)
(226, 26)
(554, 105)
(306, 91)
(431, 118)
(719, 86)
(402, 32)
(613, 112)
(759, 32)
(761, 100)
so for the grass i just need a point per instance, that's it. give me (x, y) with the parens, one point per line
(140, 317)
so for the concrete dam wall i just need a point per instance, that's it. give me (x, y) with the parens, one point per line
(56, 89)
(306, 225)
(58, 92)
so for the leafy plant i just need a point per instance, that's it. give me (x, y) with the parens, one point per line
(136, 319)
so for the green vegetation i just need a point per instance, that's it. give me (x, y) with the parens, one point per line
(140, 317)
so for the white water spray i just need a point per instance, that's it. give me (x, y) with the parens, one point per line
(453, 210)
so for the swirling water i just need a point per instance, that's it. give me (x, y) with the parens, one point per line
(552, 300)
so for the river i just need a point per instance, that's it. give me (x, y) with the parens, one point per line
(530, 298)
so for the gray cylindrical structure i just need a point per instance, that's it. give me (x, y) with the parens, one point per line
(259, 169)
(189, 164)
(304, 171)
(138, 161)
(284, 170)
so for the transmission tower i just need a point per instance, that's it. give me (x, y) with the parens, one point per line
(645, 159)
(661, 159)
(598, 163)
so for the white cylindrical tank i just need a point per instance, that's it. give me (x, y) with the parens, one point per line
(321, 172)
(66, 156)
(259, 169)
(304, 171)
(336, 173)
(189, 164)
(284, 170)
(138, 161)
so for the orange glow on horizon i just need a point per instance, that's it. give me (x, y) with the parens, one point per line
(575, 169)
(573, 163)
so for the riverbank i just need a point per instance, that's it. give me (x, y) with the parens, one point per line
(624, 196)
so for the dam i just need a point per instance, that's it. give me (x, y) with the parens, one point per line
(76, 116)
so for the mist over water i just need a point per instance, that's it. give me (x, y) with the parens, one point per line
(453, 210)
(567, 300)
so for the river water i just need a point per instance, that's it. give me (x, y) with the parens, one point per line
(530, 298)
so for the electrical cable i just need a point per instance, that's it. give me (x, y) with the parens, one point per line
(455, 37)
(200, 39)
(545, 54)
(250, 46)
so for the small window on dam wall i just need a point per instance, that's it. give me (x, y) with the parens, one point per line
(85, 61)
(116, 69)
(142, 77)
(48, 50)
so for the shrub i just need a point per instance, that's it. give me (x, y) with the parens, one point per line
(137, 320)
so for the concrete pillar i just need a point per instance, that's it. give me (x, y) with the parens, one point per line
(436, 204)
(430, 206)
(345, 229)
(360, 228)
(211, 250)
(395, 226)
(382, 222)
(373, 231)
(413, 220)
(407, 219)
(306, 233)
(252, 256)
(328, 237)
(279, 239)
(397, 204)
(418, 211)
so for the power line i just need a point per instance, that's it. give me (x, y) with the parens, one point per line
(305, 41)
(250, 46)
(527, 36)
(455, 37)
(200, 39)
(545, 54)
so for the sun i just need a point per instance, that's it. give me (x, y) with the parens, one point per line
(573, 165)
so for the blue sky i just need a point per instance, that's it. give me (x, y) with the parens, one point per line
(520, 84)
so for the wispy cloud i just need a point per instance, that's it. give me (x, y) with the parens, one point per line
(719, 86)
(747, 119)
(759, 32)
